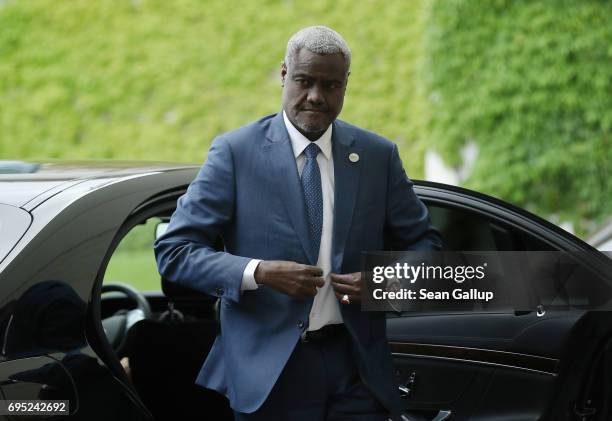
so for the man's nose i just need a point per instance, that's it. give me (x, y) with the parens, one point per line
(315, 95)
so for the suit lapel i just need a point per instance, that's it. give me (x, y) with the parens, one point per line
(346, 187)
(279, 155)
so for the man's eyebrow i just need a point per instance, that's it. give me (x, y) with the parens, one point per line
(301, 74)
(309, 76)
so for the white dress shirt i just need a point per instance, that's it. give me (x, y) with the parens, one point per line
(325, 308)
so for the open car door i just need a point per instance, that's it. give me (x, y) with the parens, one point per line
(482, 365)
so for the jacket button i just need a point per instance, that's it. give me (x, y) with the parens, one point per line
(219, 291)
(300, 324)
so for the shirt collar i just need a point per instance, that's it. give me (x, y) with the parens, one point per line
(299, 142)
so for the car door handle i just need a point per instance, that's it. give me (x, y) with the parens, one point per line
(405, 389)
(540, 311)
(442, 415)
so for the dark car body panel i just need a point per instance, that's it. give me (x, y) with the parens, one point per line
(74, 222)
(60, 224)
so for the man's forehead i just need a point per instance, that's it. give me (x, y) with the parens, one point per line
(306, 61)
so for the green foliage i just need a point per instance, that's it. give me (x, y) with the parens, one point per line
(531, 83)
(133, 261)
(135, 268)
(158, 80)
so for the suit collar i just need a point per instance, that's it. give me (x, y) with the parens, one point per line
(342, 135)
(277, 132)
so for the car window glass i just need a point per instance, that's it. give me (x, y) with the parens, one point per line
(465, 230)
(133, 261)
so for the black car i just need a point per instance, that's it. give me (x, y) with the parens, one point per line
(117, 350)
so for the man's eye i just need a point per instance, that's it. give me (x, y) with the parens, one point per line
(302, 82)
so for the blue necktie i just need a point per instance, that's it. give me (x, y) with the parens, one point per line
(311, 184)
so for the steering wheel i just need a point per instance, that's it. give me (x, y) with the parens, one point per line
(116, 327)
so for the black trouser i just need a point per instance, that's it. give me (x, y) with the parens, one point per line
(319, 382)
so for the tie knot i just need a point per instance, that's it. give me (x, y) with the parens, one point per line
(312, 150)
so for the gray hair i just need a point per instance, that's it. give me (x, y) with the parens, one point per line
(318, 40)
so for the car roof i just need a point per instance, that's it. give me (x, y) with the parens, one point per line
(23, 181)
(27, 184)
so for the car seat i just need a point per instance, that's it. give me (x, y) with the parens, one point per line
(166, 355)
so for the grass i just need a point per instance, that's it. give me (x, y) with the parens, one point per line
(133, 262)
(135, 268)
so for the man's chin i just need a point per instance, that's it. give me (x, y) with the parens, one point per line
(312, 128)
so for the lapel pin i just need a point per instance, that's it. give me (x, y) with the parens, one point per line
(353, 157)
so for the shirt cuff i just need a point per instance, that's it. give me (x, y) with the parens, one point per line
(248, 276)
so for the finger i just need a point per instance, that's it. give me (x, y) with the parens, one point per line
(349, 281)
(312, 291)
(318, 282)
(311, 280)
(347, 278)
(339, 279)
(313, 270)
(352, 297)
(345, 289)
(340, 296)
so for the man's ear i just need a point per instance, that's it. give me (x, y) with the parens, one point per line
(283, 74)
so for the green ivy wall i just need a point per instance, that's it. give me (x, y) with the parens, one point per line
(529, 81)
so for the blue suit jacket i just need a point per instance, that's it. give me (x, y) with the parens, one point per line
(248, 192)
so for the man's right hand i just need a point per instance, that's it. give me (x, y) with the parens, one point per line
(291, 278)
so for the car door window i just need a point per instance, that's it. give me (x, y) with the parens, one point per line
(464, 230)
(133, 261)
(467, 230)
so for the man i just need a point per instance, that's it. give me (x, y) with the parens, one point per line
(296, 197)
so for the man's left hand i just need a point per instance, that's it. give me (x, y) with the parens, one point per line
(347, 284)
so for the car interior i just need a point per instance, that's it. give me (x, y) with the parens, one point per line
(161, 331)
(472, 364)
